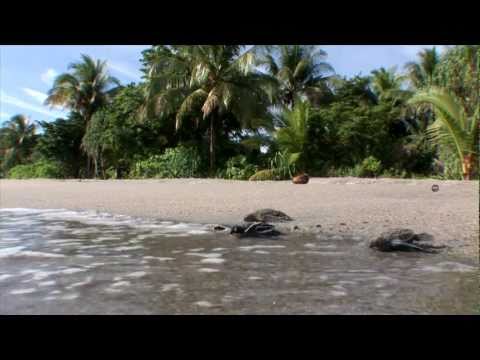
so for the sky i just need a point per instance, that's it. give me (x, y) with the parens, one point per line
(27, 72)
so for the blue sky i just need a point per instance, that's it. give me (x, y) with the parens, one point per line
(27, 72)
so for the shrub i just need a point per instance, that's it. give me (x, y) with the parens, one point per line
(111, 173)
(179, 162)
(370, 167)
(394, 173)
(239, 169)
(343, 171)
(282, 166)
(452, 168)
(40, 169)
(263, 175)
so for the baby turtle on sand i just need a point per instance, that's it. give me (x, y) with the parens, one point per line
(267, 215)
(404, 240)
(257, 229)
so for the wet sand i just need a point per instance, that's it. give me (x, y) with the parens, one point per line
(354, 206)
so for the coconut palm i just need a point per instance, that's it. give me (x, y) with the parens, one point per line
(422, 73)
(292, 135)
(459, 73)
(207, 82)
(387, 85)
(453, 127)
(300, 71)
(17, 139)
(84, 89)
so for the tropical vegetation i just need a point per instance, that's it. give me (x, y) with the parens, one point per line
(254, 112)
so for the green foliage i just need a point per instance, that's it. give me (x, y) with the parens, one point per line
(179, 162)
(41, 169)
(422, 73)
(370, 167)
(84, 89)
(207, 82)
(300, 70)
(451, 165)
(116, 136)
(394, 173)
(349, 130)
(111, 173)
(60, 143)
(282, 166)
(17, 141)
(387, 86)
(263, 175)
(215, 101)
(237, 168)
(459, 74)
(453, 128)
(292, 136)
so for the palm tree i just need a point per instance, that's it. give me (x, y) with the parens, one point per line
(207, 82)
(84, 89)
(17, 141)
(422, 73)
(387, 85)
(292, 135)
(453, 128)
(300, 71)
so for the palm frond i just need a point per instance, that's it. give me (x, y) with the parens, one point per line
(451, 123)
(192, 104)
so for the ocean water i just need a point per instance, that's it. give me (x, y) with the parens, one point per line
(66, 262)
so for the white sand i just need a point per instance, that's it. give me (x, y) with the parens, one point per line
(366, 206)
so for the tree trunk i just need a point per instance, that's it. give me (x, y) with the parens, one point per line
(468, 166)
(87, 172)
(212, 145)
(95, 168)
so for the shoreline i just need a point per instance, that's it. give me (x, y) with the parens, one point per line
(347, 206)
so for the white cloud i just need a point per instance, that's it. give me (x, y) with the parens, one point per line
(48, 76)
(37, 95)
(4, 115)
(7, 99)
(125, 70)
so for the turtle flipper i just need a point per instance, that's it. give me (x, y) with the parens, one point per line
(423, 237)
(407, 246)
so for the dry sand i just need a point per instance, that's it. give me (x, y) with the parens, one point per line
(363, 207)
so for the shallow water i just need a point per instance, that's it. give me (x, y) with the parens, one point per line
(65, 262)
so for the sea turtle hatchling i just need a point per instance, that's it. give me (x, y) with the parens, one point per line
(267, 215)
(257, 229)
(404, 240)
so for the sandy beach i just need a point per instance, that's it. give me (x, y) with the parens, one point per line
(354, 206)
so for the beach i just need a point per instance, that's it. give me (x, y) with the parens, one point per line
(349, 206)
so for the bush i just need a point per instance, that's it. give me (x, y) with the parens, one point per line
(452, 168)
(239, 169)
(263, 175)
(342, 172)
(370, 167)
(40, 169)
(281, 166)
(179, 162)
(111, 173)
(395, 173)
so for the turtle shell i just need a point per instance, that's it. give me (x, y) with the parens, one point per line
(267, 215)
(406, 235)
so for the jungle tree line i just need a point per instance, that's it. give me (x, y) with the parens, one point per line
(233, 111)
